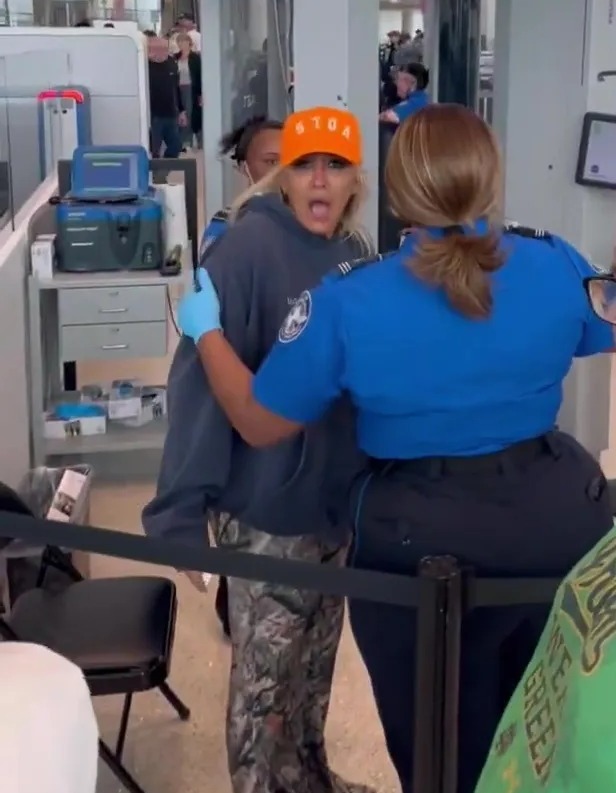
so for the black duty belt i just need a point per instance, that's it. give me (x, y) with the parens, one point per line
(516, 456)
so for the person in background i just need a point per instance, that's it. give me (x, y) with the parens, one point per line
(411, 84)
(189, 69)
(388, 94)
(454, 351)
(167, 112)
(254, 148)
(408, 51)
(186, 24)
(286, 232)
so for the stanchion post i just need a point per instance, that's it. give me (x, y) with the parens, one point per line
(453, 649)
(435, 574)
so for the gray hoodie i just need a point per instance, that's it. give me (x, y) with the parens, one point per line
(259, 267)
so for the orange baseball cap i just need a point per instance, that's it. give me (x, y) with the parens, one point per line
(321, 130)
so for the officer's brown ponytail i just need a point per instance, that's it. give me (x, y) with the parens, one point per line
(443, 175)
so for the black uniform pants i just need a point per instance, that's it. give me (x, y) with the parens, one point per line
(532, 510)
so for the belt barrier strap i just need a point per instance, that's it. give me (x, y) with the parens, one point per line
(360, 584)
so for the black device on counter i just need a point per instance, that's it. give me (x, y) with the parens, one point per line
(172, 265)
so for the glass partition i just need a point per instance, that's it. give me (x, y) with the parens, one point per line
(6, 215)
(257, 65)
(486, 60)
(37, 132)
(459, 51)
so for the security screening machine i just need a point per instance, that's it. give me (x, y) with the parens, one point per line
(111, 219)
(65, 122)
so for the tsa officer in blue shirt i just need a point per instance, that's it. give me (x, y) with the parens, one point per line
(411, 83)
(454, 350)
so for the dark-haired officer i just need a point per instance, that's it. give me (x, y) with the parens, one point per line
(254, 148)
(454, 350)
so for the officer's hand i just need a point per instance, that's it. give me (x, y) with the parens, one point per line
(200, 581)
(199, 312)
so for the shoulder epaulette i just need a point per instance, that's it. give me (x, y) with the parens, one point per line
(528, 232)
(222, 214)
(346, 268)
(343, 269)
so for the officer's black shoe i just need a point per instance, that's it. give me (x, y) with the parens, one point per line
(222, 606)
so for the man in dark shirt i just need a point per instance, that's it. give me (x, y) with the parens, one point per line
(166, 108)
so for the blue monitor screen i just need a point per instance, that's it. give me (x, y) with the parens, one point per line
(101, 172)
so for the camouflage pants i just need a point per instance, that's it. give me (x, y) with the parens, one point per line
(284, 645)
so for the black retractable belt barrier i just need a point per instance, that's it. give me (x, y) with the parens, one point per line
(464, 593)
(359, 584)
(436, 575)
(428, 593)
(441, 593)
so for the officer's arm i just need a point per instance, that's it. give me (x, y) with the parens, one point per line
(297, 382)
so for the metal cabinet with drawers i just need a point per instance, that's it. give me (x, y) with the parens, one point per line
(95, 316)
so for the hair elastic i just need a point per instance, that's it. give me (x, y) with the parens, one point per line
(477, 229)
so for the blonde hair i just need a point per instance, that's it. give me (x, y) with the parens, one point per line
(350, 227)
(444, 171)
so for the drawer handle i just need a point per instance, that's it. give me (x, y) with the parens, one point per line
(112, 310)
(114, 346)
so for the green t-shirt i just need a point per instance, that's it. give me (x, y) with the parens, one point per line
(558, 733)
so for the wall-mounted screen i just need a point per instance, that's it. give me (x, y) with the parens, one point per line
(596, 165)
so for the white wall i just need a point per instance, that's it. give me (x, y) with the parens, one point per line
(488, 21)
(257, 26)
(345, 73)
(538, 115)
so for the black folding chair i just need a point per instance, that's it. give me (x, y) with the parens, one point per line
(119, 631)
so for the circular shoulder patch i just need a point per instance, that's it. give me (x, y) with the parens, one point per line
(297, 319)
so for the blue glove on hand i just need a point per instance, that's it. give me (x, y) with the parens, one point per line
(199, 312)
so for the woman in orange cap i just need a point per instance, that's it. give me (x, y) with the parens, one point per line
(286, 233)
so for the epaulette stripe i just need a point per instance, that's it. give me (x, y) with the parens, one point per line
(344, 268)
(526, 231)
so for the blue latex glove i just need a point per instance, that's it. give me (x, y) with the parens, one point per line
(199, 311)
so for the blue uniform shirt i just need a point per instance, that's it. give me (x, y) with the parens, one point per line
(215, 229)
(427, 381)
(416, 101)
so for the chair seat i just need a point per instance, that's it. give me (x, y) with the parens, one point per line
(103, 625)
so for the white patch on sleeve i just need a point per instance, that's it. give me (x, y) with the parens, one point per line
(297, 319)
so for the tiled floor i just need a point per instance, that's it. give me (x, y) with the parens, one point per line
(168, 756)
